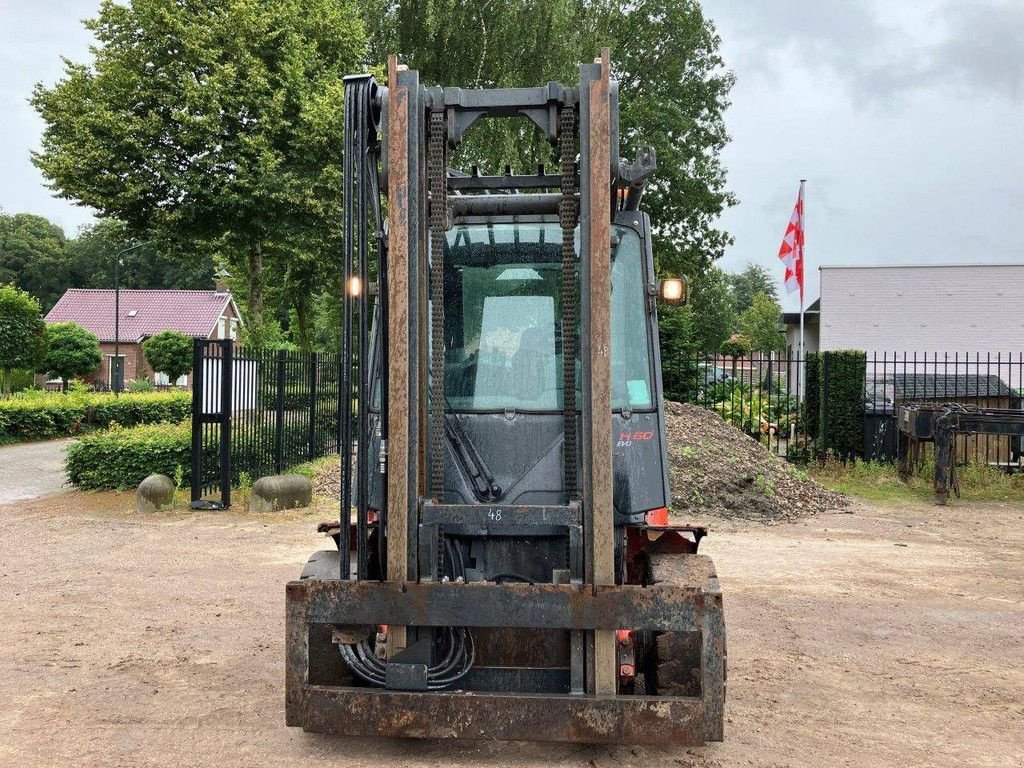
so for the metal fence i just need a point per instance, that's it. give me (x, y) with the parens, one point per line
(259, 412)
(985, 380)
(764, 396)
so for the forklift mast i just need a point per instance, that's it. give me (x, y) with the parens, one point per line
(508, 491)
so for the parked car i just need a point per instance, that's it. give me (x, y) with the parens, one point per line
(710, 374)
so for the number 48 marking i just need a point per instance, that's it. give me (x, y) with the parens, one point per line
(495, 515)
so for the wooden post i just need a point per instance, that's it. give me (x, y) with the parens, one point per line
(398, 335)
(599, 457)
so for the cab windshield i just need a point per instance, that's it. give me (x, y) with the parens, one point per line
(503, 336)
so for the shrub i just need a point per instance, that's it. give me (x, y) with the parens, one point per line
(22, 333)
(841, 398)
(141, 385)
(44, 415)
(122, 458)
(169, 352)
(736, 345)
(812, 370)
(71, 352)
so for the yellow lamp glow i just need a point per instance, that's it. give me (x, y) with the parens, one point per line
(673, 290)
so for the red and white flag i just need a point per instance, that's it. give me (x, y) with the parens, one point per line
(792, 249)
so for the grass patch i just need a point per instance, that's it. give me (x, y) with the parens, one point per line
(312, 468)
(880, 482)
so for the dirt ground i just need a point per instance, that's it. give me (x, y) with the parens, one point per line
(879, 638)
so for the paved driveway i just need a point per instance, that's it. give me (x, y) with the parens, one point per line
(32, 470)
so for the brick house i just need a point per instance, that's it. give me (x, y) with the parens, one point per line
(199, 314)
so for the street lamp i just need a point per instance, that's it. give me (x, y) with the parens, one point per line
(117, 380)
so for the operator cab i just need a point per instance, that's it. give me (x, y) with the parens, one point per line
(503, 365)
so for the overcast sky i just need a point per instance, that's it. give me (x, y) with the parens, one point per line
(905, 117)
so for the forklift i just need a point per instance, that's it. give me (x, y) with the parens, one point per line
(504, 564)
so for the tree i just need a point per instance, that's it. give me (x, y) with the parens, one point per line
(169, 352)
(735, 346)
(210, 124)
(33, 256)
(90, 261)
(678, 351)
(713, 316)
(22, 333)
(745, 285)
(760, 324)
(672, 83)
(71, 352)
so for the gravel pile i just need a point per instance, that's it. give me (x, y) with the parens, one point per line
(716, 469)
(327, 480)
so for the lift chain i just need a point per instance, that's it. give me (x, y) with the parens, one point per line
(438, 186)
(567, 214)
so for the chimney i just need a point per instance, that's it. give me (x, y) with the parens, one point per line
(220, 280)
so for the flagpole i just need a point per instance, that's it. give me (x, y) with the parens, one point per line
(803, 262)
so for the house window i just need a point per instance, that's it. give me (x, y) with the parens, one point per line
(162, 380)
(234, 328)
(221, 328)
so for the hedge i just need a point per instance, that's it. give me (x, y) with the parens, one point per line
(123, 457)
(811, 396)
(46, 415)
(841, 398)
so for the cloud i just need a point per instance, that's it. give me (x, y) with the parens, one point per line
(985, 48)
(883, 51)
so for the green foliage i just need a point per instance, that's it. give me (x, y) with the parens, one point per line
(880, 482)
(699, 326)
(35, 256)
(713, 318)
(169, 352)
(44, 415)
(90, 261)
(213, 125)
(812, 396)
(678, 353)
(746, 284)
(673, 90)
(736, 345)
(764, 485)
(140, 385)
(71, 352)
(22, 333)
(760, 324)
(123, 457)
(841, 398)
(32, 256)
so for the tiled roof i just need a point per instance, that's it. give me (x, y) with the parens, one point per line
(143, 312)
(930, 386)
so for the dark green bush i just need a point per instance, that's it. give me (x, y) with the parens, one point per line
(841, 398)
(812, 370)
(121, 458)
(46, 415)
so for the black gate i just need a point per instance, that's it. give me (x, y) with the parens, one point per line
(258, 412)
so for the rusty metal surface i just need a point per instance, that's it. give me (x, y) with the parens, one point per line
(319, 699)
(539, 606)
(516, 717)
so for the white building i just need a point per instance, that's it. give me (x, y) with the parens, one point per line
(929, 308)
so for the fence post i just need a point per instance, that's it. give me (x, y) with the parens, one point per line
(227, 369)
(196, 481)
(313, 453)
(279, 426)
